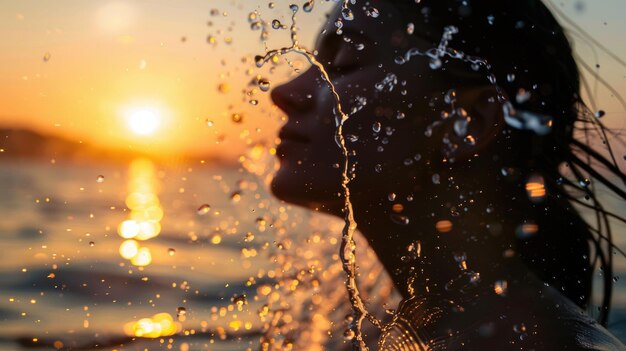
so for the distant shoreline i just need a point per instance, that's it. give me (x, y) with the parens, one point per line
(26, 144)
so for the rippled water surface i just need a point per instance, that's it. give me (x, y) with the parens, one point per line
(65, 282)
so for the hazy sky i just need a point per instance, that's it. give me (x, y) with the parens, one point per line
(80, 68)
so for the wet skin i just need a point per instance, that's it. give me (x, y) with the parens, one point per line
(386, 163)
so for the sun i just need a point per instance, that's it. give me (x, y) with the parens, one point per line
(144, 121)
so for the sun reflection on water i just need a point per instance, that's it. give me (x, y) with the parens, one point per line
(161, 324)
(145, 213)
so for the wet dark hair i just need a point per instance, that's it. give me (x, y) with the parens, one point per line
(522, 39)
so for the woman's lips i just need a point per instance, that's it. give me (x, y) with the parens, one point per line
(290, 142)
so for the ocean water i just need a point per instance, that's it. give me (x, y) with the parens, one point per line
(247, 269)
(63, 280)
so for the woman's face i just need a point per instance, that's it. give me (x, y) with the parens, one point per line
(389, 106)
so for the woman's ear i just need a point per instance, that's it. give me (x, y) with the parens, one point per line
(475, 123)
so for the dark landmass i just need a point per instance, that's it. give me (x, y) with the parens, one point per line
(23, 144)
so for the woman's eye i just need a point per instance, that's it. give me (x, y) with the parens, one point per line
(346, 59)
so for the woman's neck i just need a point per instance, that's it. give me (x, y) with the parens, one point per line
(465, 247)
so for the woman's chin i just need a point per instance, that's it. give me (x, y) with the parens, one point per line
(297, 190)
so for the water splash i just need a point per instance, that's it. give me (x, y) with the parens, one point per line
(406, 330)
(444, 50)
(348, 246)
(525, 120)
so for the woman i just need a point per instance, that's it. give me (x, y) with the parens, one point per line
(462, 151)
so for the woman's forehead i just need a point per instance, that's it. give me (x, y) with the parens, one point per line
(378, 29)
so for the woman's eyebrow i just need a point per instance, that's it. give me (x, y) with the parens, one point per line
(331, 38)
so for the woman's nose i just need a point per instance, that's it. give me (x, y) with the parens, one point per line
(297, 95)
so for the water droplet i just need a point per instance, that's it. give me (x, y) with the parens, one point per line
(435, 63)
(470, 140)
(352, 138)
(461, 126)
(209, 123)
(526, 120)
(584, 182)
(399, 219)
(436, 179)
(492, 78)
(293, 8)
(308, 6)
(171, 251)
(256, 25)
(92, 244)
(600, 114)
(372, 12)
(359, 46)
(348, 334)
(410, 28)
(239, 300)
(181, 314)
(500, 287)
(236, 117)
(223, 88)
(235, 196)
(276, 24)
(450, 97)
(204, 209)
(376, 127)
(264, 84)
(460, 257)
(491, 19)
(522, 96)
(339, 25)
(526, 230)
(259, 60)
(378, 168)
(429, 131)
(46, 57)
(347, 14)
(510, 77)
(100, 179)
(388, 83)
(254, 102)
(400, 115)
(521, 328)
(391, 196)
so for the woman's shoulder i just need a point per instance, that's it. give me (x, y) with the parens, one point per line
(546, 320)
(535, 318)
(574, 326)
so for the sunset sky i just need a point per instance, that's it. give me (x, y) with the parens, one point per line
(141, 74)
